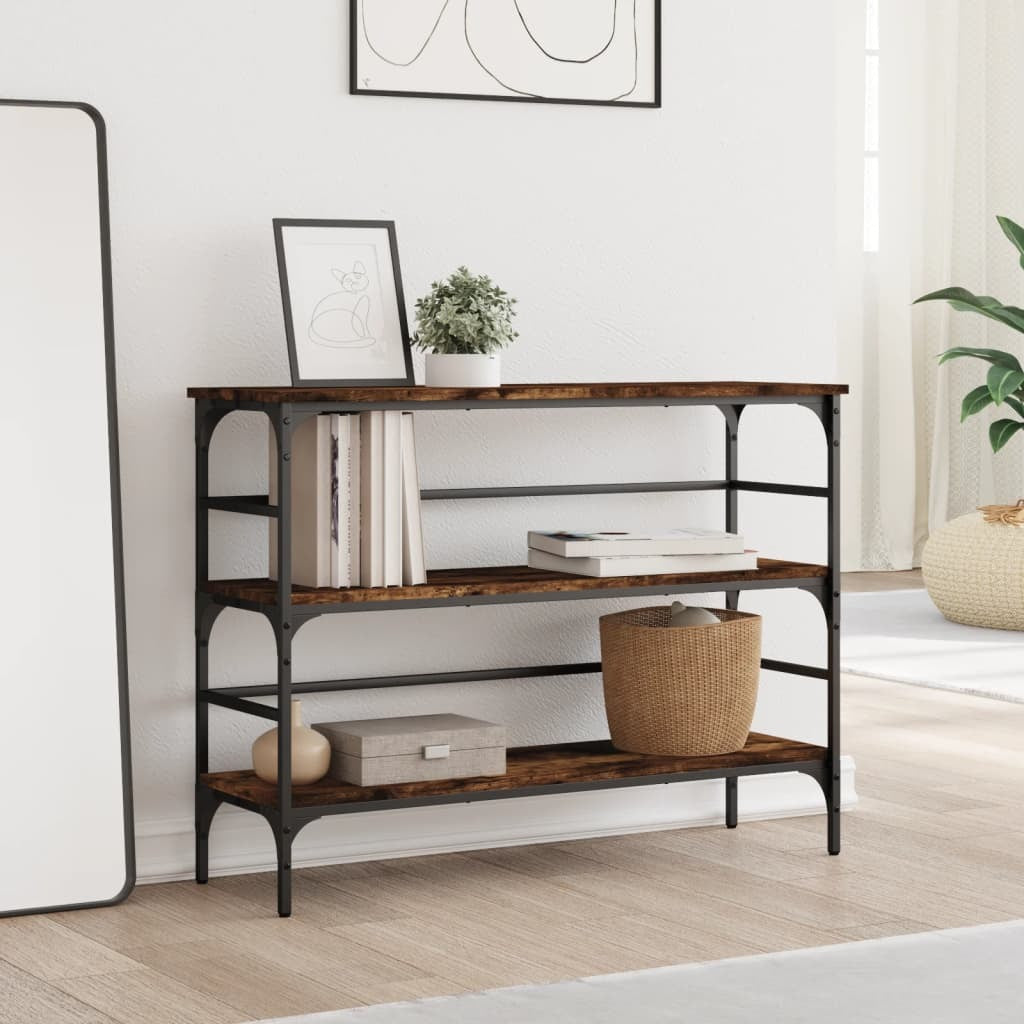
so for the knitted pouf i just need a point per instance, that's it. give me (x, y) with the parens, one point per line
(974, 572)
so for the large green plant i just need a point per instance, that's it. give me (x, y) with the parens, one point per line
(465, 315)
(1005, 382)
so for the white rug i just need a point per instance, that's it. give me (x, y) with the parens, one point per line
(965, 976)
(901, 635)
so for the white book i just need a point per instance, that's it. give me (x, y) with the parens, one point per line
(354, 506)
(311, 502)
(643, 565)
(371, 499)
(393, 498)
(601, 544)
(414, 569)
(344, 501)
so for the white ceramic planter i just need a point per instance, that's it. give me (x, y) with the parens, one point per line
(463, 371)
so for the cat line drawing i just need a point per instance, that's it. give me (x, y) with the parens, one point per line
(342, 319)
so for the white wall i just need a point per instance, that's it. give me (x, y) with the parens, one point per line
(692, 242)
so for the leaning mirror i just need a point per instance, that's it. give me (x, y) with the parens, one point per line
(66, 840)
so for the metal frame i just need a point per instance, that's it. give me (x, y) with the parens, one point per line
(286, 619)
(117, 541)
(356, 90)
(388, 226)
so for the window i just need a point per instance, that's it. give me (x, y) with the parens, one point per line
(871, 126)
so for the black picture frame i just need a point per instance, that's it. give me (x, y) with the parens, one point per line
(356, 89)
(116, 522)
(281, 224)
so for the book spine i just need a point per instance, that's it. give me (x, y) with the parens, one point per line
(372, 499)
(413, 560)
(392, 467)
(351, 454)
(341, 487)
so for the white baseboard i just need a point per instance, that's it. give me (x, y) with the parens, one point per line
(241, 842)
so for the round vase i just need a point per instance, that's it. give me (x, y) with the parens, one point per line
(311, 753)
(463, 371)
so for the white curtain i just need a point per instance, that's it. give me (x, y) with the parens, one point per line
(952, 159)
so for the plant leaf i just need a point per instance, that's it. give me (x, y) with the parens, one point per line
(965, 301)
(1001, 431)
(1014, 403)
(980, 398)
(990, 355)
(1003, 381)
(1015, 233)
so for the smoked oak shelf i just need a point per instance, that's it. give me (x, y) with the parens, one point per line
(531, 770)
(506, 584)
(567, 767)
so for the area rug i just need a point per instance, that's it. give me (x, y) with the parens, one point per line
(900, 635)
(952, 977)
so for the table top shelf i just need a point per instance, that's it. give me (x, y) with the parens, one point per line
(519, 394)
(510, 583)
(568, 764)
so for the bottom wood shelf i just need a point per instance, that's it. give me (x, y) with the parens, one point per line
(571, 764)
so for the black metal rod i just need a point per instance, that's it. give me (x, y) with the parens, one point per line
(469, 405)
(243, 693)
(772, 488)
(792, 669)
(421, 679)
(812, 768)
(246, 707)
(543, 491)
(248, 504)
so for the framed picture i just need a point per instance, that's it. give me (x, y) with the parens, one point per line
(605, 52)
(344, 311)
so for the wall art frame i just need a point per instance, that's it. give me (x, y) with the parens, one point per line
(499, 52)
(344, 305)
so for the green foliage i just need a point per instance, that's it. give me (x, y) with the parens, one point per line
(1005, 382)
(464, 315)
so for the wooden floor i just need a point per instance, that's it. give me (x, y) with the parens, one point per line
(937, 841)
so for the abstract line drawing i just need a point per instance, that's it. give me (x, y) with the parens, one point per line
(342, 319)
(400, 24)
(609, 75)
(572, 51)
(579, 23)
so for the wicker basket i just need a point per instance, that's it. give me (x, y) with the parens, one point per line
(682, 691)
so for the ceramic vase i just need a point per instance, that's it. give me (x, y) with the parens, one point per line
(463, 370)
(311, 753)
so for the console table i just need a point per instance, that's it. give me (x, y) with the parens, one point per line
(531, 770)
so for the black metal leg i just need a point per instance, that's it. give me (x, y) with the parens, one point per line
(206, 613)
(832, 619)
(284, 630)
(731, 802)
(283, 836)
(206, 807)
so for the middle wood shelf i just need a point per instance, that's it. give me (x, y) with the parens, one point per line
(510, 584)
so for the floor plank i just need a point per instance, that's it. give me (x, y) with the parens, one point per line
(937, 841)
(25, 999)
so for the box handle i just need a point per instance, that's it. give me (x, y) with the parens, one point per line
(436, 753)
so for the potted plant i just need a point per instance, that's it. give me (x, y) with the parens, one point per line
(462, 324)
(1004, 384)
(973, 566)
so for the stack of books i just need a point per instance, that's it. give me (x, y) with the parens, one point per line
(640, 554)
(355, 502)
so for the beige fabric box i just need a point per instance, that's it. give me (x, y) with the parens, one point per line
(422, 748)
